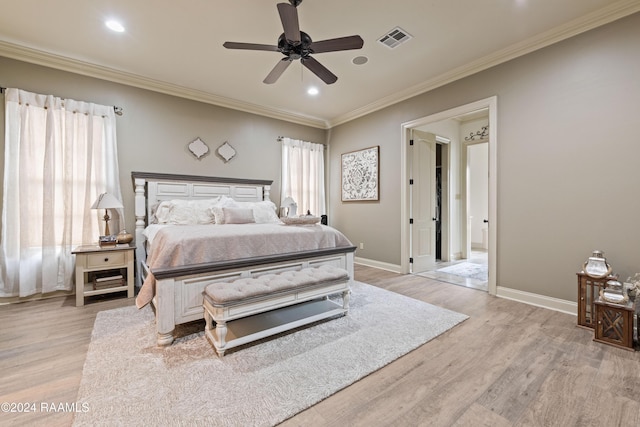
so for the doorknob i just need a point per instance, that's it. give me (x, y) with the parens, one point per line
(486, 221)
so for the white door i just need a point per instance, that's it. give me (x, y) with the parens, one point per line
(423, 197)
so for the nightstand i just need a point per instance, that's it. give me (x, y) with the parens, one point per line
(103, 270)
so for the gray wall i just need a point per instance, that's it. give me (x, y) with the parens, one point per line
(568, 152)
(567, 159)
(155, 129)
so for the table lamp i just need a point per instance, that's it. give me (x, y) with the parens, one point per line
(290, 207)
(106, 201)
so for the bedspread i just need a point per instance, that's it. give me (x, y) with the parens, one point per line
(183, 245)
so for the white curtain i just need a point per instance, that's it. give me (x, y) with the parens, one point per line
(60, 154)
(303, 175)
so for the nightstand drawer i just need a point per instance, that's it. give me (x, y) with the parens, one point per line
(106, 259)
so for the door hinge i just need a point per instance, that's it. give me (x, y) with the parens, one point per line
(410, 220)
(411, 142)
(411, 181)
(410, 260)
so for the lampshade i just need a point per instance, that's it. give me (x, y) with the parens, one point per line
(287, 202)
(289, 206)
(107, 201)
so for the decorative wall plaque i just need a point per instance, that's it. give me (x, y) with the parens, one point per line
(198, 148)
(360, 175)
(226, 151)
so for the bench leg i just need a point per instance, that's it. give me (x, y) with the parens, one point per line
(345, 299)
(217, 334)
(221, 333)
(207, 320)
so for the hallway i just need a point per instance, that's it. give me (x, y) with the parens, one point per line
(470, 273)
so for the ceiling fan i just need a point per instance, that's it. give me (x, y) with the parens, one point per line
(295, 44)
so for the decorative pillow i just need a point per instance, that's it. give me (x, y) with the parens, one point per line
(154, 219)
(202, 210)
(162, 212)
(301, 220)
(238, 216)
(264, 212)
(216, 210)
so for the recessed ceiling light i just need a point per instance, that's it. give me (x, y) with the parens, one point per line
(313, 91)
(360, 60)
(115, 26)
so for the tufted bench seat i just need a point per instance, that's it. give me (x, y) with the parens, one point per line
(252, 308)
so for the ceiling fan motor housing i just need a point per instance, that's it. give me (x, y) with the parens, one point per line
(295, 50)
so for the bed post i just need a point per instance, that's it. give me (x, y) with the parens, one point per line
(140, 213)
(165, 311)
(266, 192)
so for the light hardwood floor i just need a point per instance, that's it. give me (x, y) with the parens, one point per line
(509, 364)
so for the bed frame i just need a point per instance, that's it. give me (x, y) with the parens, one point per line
(178, 297)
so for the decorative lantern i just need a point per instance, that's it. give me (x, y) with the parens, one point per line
(613, 293)
(596, 266)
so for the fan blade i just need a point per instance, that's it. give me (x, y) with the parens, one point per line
(319, 70)
(250, 46)
(277, 71)
(289, 18)
(341, 43)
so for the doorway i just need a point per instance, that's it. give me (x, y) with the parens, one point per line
(451, 232)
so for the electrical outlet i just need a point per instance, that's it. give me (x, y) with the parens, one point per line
(361, 245)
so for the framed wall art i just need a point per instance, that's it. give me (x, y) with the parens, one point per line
(360, 175)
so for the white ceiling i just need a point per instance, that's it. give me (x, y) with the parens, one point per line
(175, 47)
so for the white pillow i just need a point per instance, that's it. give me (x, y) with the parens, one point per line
(186, 212)
(161, 213)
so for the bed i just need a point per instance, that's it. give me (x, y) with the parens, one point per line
(174, 263)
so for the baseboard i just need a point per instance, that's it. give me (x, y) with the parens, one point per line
(550, 303)
(378, 264)
(35, 297)
(556, 304)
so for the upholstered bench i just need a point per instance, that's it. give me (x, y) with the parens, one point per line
(253, 308)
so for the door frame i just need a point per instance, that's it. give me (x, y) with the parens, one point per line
(405, 128)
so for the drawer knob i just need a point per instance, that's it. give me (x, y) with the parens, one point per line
(106, 260)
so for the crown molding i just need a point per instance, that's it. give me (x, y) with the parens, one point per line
(593, 20)
(39, 57)
(603, 16)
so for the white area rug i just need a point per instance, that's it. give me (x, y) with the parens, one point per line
(128, 380)
(467, 269)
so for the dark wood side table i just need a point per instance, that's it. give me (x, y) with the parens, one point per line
(588, 292)
(614, 323)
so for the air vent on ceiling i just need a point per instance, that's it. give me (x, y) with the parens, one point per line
(395, 37)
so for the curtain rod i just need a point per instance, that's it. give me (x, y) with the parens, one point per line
(280, 138)
(118, 110)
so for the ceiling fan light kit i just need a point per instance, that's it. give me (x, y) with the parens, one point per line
(295, 44)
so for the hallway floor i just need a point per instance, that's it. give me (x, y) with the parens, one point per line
(478, 257)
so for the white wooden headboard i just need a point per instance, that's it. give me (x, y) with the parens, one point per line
(152, 188)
